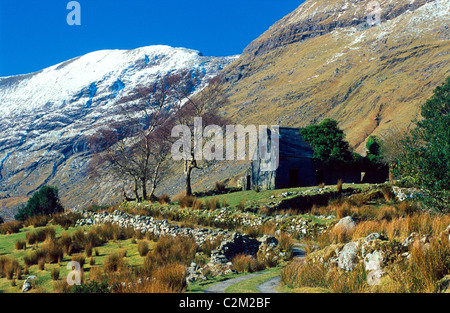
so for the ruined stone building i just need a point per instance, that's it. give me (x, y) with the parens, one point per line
(297, 168)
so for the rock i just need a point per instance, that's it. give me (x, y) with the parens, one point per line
(239, 244)
(410, 240)
(26, 285)
(374, 236)
(444, 284)
(404, 194)
(347, 258)
(374, 277)
(346, 223)
(445, 233)
(268, 240)
(374, 261)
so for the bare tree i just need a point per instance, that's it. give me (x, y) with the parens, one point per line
(137, 148)
(202, 105)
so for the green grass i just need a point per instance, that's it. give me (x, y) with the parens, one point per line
(264, 196)
(44, 280)
(201, 285)
(249, 285)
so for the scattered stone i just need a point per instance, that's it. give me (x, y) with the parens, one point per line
(404, 194)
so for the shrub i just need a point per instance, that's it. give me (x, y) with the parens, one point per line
(21, 244)
(19, 273)
(113, 263)
(339, 185)
(65, 241)
(172, 275)
(41, 264)
(246, 263)
(143, 248)
(88, 250)
(213, 204)
(77, 241)
(53, 251)
(220, 187)
(96, 274)
(10, 227)
(92, 287)
(93, 238)
(426, 155)
(33, 257)
(186, 201)
(61, 286)
(426, 266)
(388, 193)
(44, 202)
(11, 268)
(31, 237)
(197, 205)
(167, 250)
(66, 220)
(40, 235)
(317, 275)
(285, 242)
(80, 259)
(8, 266)
(54, 272)
(164, 199)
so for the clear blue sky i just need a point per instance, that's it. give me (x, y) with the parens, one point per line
(34, 34)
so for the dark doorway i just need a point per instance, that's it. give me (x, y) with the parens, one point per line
(248, 183)
(319, 177)
(293, 177)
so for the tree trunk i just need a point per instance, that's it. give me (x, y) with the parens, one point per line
(152, 196)
(136, 189)
(188, 172)
(144, 189)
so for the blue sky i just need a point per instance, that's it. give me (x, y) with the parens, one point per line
(35, 34)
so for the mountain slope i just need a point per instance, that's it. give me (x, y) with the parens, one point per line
(326, 60)
(47, 117)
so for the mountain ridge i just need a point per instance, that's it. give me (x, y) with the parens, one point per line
(47, 117)
(371, 79)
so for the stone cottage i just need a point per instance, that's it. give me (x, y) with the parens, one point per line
(296, 167)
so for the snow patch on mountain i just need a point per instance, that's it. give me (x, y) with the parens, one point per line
(47, 116)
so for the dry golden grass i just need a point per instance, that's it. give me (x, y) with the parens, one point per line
(10, 227)
(246, 263)
(164, 199)
(143, 247)
(169, 278)
(285, 242)
(428, 261)
(186, 201)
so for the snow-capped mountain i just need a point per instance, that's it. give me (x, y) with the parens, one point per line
(47, 116)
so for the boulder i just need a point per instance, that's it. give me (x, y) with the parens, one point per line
(374, 277)
(348, 256)
(346, 223)
(268, 240)
(374, 261)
